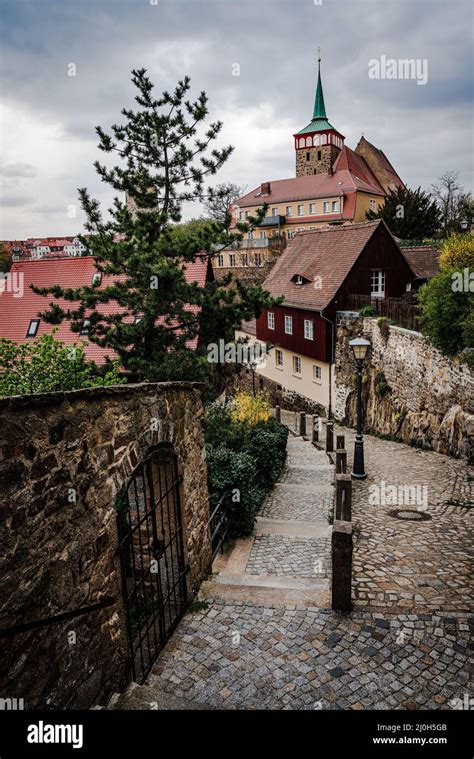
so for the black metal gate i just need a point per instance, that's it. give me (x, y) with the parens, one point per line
(152, 557)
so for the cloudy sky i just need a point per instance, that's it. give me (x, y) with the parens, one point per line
(48, 117)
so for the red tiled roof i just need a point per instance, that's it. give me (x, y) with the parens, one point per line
(423, 260)
(328, 253)
(309, 187)
(349, 160)
(16, 313)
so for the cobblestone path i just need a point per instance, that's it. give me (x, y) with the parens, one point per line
(412, 565)
(405, 645)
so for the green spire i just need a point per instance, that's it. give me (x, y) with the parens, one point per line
(319, 107)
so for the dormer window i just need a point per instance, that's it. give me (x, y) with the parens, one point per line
(85, 327)
(299, 279)
(96, 278)
(33, 328)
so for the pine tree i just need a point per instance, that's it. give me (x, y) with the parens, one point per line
(409, 214)
(150, 315)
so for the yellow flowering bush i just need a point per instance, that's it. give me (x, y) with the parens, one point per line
(250, 409)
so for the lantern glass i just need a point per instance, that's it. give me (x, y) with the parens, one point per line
(359, 347)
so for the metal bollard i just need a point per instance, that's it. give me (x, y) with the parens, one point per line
(278, 413)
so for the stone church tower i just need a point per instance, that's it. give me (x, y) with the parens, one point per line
(318, 144)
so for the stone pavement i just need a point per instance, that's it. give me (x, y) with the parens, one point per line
(405, 645)
(288, 557)
(412, 565)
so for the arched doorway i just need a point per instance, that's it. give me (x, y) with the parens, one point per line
(152, 556)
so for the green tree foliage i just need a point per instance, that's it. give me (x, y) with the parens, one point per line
(5, 260)
(47, 365)
(457, 251)
(447, 312)
(166, 157)
(409, 214)
(244, 461)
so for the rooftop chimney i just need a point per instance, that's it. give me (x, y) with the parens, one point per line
(265, 188)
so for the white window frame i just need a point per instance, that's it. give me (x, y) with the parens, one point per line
(278, 359)
(275, 212)
(326, 207)
(336, 207)
(301, 209)
(288, 325)
(377, 283)
(317, 374)
(289, 211)
(232, 259)
(312, 208)
(263, 234)
(372, 204)
(309, 329)
(297, 364)
(85, 327)
(244, 259)
(271, 320)
(220, 261)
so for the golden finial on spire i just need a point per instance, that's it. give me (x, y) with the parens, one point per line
(319, 55)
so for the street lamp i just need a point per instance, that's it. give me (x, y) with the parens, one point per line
(359, 348)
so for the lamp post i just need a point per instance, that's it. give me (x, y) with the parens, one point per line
(359, 348)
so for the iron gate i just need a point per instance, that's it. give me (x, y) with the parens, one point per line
(152, 556)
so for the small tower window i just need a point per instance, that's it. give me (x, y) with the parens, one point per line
(308, 156)
(319, 155)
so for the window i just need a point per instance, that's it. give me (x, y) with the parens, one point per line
(263, 234)
(244, 259)
(298, 279)
(296, 365)
(288, 325)
(377, 284)
(96, 278)
(373, 205)
(33, 328)
(308, 156)
(251, 235)
(302, 142)
(274, 211)
(308, 329)
(316, 141)
(309, 142)
(324, 139)
(271, 320)
(319, 155)
(326, 206)
(317, 374)
(241, 215)
(137, 319)
(290, 234)
(231, 259)
(335, 206)
(301, 210)
(289, 211)
(220, 261)
(312, 207)
(85, 327)
(278, 359)
(258, 259)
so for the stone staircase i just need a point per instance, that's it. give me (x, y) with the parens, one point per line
(287, 559)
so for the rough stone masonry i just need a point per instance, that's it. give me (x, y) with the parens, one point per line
(410, 391)
(64, 457)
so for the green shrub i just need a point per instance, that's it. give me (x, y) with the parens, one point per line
(243, 462)
(367, 311)
(381, 385)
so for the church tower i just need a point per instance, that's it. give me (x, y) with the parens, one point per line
(318, 144)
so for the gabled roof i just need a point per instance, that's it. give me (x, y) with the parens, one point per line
(423, 260)
(312, 186)
(325, 257)
(17, 312)
(379, 164)
(348, 160)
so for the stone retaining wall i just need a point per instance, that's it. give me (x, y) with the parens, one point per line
(64, 457)
(411, 391)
